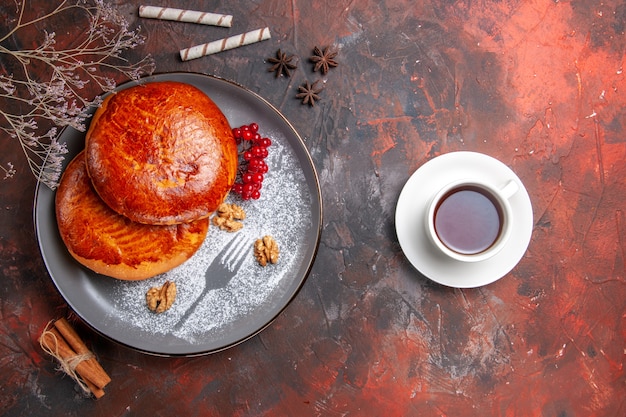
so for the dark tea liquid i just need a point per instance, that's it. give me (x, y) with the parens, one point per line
(468, 221)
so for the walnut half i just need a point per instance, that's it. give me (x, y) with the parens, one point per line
(161, 298)
(227, 217)
(266, 250)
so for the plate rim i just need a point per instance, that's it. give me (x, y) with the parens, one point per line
(317, 215)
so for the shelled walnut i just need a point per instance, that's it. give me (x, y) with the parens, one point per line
(266, 250)
(228, 217)
(161, 298)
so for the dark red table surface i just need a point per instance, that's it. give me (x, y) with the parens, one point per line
(538, 85)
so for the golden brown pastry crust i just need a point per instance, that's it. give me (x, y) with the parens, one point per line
(161, 153)
(111, 244)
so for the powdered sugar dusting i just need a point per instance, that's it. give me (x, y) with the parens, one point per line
(283, 211)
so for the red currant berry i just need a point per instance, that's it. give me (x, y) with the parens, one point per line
(246, 135)
(260, 152)
(247, 155)
(259, 166)
(247, 178)
(257, 177)
(253, 127)
(237, 133)
(254, 165)
(237, 188)
(265, 142)
(255, 195)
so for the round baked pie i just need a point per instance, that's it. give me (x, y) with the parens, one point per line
(111, 244)
(161, 153)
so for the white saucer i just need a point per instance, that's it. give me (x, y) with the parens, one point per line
(411, 209)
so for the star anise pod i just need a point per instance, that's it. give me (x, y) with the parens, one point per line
(324, 59)
(309, 93)
(282, 64)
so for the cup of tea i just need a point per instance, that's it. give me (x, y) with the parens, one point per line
(470, 220)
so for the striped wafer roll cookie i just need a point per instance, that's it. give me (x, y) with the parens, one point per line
(220, 45)
(180, 15)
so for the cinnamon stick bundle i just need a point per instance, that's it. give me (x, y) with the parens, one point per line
(62, 342)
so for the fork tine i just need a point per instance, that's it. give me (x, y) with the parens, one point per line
(239, 256)
(235, 252)
(228, 249)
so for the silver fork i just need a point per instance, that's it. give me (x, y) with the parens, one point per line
(223, 269)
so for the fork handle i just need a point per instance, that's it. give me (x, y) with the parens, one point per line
(190, 310)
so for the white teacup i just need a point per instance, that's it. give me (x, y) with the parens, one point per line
(470, 220)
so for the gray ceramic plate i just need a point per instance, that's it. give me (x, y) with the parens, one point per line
(290, 209)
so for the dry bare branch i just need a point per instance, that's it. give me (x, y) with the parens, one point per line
(46, 88)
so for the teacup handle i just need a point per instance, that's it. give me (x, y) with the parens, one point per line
(509, 189)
